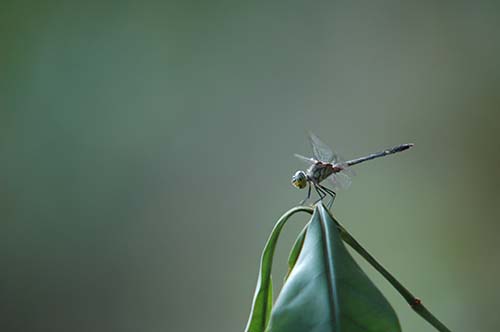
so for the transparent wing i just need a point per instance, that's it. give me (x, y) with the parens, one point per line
(346, 169)
(340, 180)
(321, 151)
(306, 159)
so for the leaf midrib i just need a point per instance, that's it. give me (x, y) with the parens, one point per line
(330, 271)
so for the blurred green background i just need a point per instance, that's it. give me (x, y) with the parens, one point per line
(146, 150)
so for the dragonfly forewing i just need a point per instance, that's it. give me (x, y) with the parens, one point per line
(306, 159)
(321, 151)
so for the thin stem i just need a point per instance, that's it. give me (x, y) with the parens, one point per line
(414, 302)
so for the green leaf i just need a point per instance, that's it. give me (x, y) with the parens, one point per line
(327, 291)
(263, 298)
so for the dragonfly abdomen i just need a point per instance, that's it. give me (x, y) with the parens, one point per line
(384, 153)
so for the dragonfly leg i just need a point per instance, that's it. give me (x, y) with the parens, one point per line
(331, 193)
(322, 194)
(308, 195)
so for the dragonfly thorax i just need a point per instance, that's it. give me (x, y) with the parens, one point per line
(319, 171)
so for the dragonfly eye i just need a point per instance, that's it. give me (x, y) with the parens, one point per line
(299, 179)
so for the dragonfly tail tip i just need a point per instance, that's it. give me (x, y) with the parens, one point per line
(406, 146)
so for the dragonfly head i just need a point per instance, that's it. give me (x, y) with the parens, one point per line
(299, 179)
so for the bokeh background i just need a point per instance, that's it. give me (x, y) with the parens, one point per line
(146, 150)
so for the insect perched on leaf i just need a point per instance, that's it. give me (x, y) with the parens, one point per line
(326, 164)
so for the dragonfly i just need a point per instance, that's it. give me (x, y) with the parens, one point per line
(327, 165)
